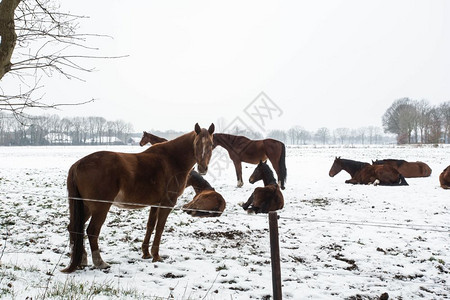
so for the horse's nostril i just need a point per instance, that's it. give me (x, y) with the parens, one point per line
(202, 170)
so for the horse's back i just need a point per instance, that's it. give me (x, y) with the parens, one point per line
(121, 177)
(444, 178)
(271, 195)
(208, 203)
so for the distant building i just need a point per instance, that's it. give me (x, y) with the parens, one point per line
(56, 138)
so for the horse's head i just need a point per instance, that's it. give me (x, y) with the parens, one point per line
(203, 143)
(336, 167)
(144, 140)
(258, 173)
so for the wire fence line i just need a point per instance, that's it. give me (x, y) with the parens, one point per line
(383, 277)
(384, 224)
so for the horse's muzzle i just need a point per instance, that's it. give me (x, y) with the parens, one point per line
(202, 170)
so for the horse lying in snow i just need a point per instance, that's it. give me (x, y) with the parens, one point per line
(267, 198)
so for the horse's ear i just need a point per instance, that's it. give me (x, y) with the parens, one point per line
(197, 128)
(211, 128)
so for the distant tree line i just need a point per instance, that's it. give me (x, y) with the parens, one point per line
(297, 135)
(52, 129)
(406, 121)
(414, 121)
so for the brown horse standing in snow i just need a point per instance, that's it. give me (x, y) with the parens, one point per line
(207, 202)
(156, 176)
(406, 168)
(151, 138)
(365, 173)
(242, 149)
(444, 178)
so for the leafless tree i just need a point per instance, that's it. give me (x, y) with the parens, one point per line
(38, 40)
(401, 119)
(341, 134)
(322, 135)
(444, 108)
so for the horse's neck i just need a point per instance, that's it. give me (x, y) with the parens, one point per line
(199, 184)
(228, 140)
(268, 178)
(353, 166)
(180, 150)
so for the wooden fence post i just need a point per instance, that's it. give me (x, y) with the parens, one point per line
(275, 255)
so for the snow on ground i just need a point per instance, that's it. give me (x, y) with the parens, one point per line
(337, 241)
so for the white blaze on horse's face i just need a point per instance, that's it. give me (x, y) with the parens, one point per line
(203, 148)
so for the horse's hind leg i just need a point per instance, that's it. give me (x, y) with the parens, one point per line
(73, 232)
(163, 213)
(93, 231)
(152, 218)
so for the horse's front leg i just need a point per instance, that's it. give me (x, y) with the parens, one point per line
(246, 205)
(163, 213)
(238, 167)
(152, 218)
(352, 181)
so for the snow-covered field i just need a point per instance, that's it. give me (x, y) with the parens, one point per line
(337, 241)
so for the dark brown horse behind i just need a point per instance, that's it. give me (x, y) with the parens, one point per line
(156, 176)
(444, 178)
(207, 202)
(267, 198)
(242, 149)
(151, 138)
(365, 173)
(406, 168)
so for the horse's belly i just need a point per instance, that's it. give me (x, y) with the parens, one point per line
(122, 201)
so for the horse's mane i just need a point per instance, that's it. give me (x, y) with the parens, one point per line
(198, 182)
(398, 162)
(163, 146)
(230, 138)
(267, 172)
(354, 163)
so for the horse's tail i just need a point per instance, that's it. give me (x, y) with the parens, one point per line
(402, 180)
(282, 165)
(76, 225)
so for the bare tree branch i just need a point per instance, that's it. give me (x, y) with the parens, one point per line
(38, 39)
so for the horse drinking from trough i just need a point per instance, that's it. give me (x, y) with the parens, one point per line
(267, 198)
(207, 202)
(365, 173)
(242, 149)
(151, 138)
(406, 168)
(156, 176)
(444, 178)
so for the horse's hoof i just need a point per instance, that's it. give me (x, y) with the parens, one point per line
(156, 259)
(102, 266)
(146, 256)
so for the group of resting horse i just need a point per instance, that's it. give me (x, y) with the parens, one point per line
(380, 172)
(156, 177)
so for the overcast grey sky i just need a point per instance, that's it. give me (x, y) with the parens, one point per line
(325, 63)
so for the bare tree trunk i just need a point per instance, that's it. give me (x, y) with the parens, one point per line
(7, 33)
